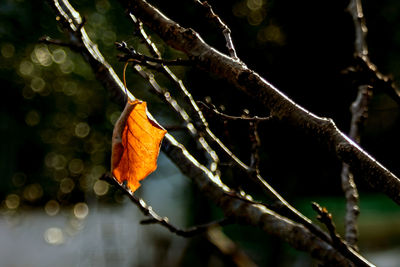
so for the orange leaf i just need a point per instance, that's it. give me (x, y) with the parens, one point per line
(135, 145)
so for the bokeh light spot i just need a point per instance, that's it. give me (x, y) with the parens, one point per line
(103, 6)
(7, 50)
(37, 84)
(70, 88)
(254, 4)
(63, 136)
(98, 171)
(81, 210)
(75, 166)
(19, 179)
(43, 55)
(67, 185)
(240, 10)
(26, 68)
(12, 201)
(67, 66)
(59, 162)
(27, 93)
(100, 188)
(271, 33)
(54, 236)
(255, 18)
(33, 192)
(59, 56)
(58, 175)
(48, 159)
(52, 208)
(97, 19)
(32, 118)
(114, 117)
(60, 120)
(82, 129)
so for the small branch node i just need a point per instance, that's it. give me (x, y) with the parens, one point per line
(326, 218)
(224, 116)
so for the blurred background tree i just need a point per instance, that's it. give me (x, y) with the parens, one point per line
(57, 120)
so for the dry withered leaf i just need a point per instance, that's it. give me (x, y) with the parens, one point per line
(135, 145)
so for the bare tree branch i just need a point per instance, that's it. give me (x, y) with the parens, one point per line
(242, 211)
(322, 129)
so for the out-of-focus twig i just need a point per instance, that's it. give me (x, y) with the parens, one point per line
(359, 111)
(229, 250)
(255, 145)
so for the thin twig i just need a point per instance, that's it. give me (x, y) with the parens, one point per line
(154, 218)
(215, 19)
(368, 71)
(326, 218)
(230, 117)
(133, 55)
(234, 255)
(364, 72)
(359, 110)
(190, 232)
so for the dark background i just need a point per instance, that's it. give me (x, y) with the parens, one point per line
(56, 119)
